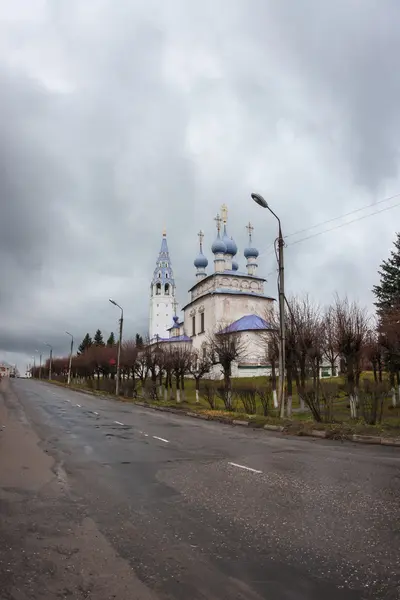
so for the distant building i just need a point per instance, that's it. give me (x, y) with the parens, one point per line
(6, 370)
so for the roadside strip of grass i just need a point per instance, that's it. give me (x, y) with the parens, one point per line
(384, 433)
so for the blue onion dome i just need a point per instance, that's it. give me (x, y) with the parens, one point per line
(201, 261)
(251, 252)
(235, 266)
(176, 321)
(231, 247)
(219, 246)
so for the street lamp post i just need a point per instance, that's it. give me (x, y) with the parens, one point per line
(40, 363)
(121, 322)
(50, 360)
(70, 357)
(281, 290)
(34, 366)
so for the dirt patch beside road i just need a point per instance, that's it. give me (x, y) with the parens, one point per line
(50, 547)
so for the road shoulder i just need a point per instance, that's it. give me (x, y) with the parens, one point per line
(50, 548)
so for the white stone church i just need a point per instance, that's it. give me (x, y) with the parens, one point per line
(226, 298)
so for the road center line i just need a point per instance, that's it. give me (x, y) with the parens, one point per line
(95, 413)
(244, 467)
(161, 439)
(79, 406)
(118, 423)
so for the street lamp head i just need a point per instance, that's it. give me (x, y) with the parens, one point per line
(260, 200)
(112, 301)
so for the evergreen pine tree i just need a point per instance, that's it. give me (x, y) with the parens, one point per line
(98, 338)
(387, 293)
(111, 339)
(139, 340)
(85, 344)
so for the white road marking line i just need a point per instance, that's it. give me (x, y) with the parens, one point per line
(118, 423)
(146, 435)
(161, 439)
(68, 401)
(95, 413)
(243, 467)
(79, 406)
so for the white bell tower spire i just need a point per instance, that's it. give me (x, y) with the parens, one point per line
(162, 294)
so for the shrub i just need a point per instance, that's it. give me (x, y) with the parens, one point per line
(208, 391)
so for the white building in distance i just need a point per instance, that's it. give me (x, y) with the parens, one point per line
(225, 298)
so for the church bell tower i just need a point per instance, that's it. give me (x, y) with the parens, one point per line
(162, 295)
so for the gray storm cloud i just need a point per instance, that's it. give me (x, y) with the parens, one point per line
(118, 119)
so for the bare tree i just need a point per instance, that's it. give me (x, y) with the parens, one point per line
(270, 341)
(389, 329)
(304, 348)
(199, 364)
(351, 335)
(226, 347)
(129, 356)
(374, 353)
(329, 348)
(180, 358)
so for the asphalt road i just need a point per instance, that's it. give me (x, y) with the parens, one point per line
(117, 501)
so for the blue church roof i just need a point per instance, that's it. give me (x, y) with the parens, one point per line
(177, 338)
(248, 323)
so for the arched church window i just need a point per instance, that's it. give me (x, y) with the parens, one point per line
(158, 289)
(166, 275)
(159, 274)
(167, 289)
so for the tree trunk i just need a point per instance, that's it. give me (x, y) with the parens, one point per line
(300, 390)
(289, 378)
(228, 389)
(375, 371)
(273, 384)
(183, 388)
(333, 367)
(197, 390)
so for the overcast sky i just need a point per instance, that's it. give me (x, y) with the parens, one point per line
(121, 116)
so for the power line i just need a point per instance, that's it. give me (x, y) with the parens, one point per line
(352, 212)
(344, 224)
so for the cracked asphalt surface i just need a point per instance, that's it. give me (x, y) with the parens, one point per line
(101, 499)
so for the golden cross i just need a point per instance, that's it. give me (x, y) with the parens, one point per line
(218, 221)
(201, 237)
(224, 213)
(250, 230)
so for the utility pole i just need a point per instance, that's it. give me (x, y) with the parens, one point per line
(282, 333)
(70, 357)
(121, 323)
(50, 361)
(281, 291)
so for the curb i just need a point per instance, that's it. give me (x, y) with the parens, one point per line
(390, 442)
(274, 427)
(316, 433)
(242, 423)
(365, 439)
